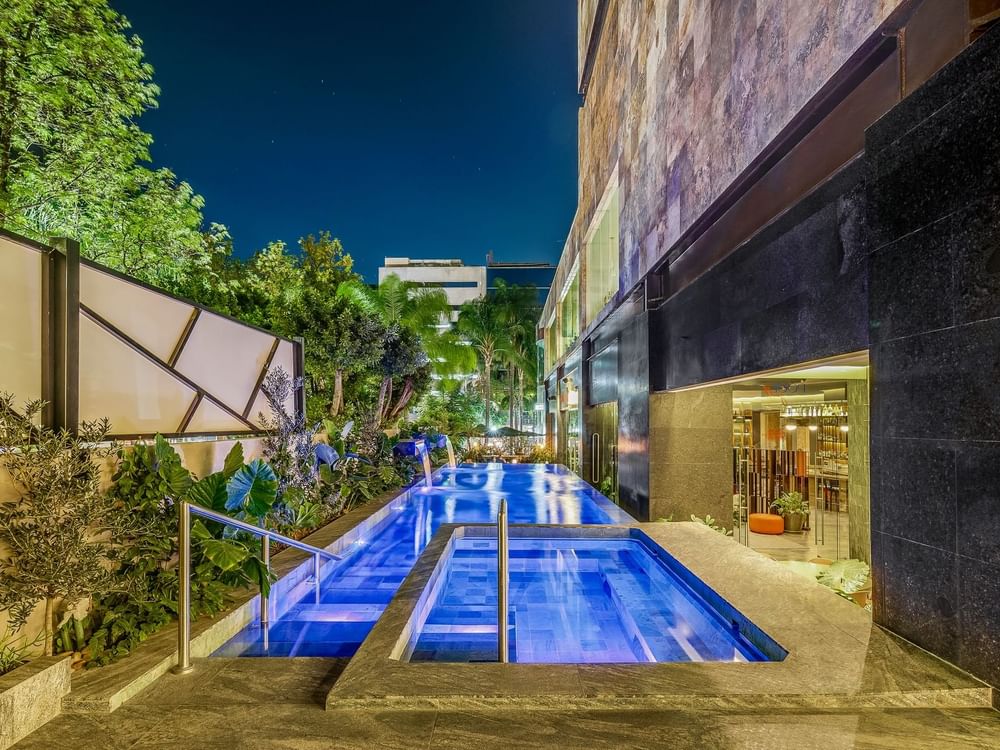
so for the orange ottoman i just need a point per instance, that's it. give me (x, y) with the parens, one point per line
(767, 523)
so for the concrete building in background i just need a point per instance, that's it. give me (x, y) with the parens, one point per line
(461, 283)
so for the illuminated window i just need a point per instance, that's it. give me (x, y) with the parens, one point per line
(601, 253)
(569, 314)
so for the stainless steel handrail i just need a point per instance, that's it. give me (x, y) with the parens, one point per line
(184, 572)
(503, 583)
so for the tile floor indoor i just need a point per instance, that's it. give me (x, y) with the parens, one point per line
(263, 703)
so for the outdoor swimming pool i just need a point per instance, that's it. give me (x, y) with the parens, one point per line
(382, 551)
(576, 600)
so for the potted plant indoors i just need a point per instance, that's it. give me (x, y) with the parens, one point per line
(791, 507)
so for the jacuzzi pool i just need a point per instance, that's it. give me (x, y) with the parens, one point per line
(380, 552)
(577, 599)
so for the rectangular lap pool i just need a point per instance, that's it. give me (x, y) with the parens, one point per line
(575, 599)
(379, 553)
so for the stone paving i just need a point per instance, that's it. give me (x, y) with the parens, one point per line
(260, 703)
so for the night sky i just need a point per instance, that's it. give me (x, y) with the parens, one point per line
(435, 128)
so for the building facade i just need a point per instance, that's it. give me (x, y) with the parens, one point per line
(459, 282)
(782, 277)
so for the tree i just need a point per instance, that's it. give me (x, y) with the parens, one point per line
(481, 323)
(53, 528)
(420, 310)
(72, 158)
(519, 309)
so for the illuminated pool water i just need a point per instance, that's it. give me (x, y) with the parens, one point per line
(379, 554)
(577, 600)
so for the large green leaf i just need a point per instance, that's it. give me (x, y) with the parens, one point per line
(255, 570)
(252, 489)
(234, 461)
(169, 467)
(847, 576)
(226, 555)
(199, 531)
(210, 492)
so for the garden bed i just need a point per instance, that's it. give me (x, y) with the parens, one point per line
(105, 689)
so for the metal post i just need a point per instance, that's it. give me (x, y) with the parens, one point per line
(503, 583)
(265, 604)
(184, 591)
(316, 567)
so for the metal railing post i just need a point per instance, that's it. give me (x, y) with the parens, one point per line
(184, 591)
(186, 510)
(265, 599)
(503, 583)
(316, 568)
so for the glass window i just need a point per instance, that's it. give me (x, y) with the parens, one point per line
(569, 315)
(602, 258)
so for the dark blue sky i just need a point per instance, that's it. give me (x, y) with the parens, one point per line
(423, 128)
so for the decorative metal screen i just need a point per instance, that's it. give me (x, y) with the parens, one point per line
(99, 344)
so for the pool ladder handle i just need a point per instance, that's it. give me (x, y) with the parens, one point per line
(503, 583)
(184, 572)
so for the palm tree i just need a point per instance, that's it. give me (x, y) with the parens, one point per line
(418, 309)
(481, 323)
(518, 308)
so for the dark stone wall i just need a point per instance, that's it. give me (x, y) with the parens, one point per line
(633, 417)
(934, 214)
(797, 291)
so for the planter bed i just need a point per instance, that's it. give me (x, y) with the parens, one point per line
(32, 695)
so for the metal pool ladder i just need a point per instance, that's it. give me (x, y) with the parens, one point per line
(503, 582)
(184, 572)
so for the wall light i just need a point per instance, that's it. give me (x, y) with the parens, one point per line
(813, 427)
(844, 428)
(791, 427)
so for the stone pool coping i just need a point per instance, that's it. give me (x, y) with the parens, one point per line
(837, 658)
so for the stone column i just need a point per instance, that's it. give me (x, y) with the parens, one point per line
(690, 454)
(858, 497)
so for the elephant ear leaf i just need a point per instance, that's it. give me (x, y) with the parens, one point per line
(234, 461)
(252, 489)
(223, 554)
(209, 492)
(256, 571)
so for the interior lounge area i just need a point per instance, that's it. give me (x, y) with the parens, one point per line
(800, 462)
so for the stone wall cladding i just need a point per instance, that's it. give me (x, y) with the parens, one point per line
(686, 93)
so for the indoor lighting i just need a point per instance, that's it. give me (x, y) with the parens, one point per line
(813, 427)
(844, 428)
(791, 427)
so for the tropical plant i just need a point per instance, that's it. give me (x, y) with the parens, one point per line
(845, 577)
(518, 308)
(712, 524)
(609, 487)
(420, 310)
(475, 453)
(543, 454)
(52, 529)
(482, 324)
(146, 485)
(790, 504)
